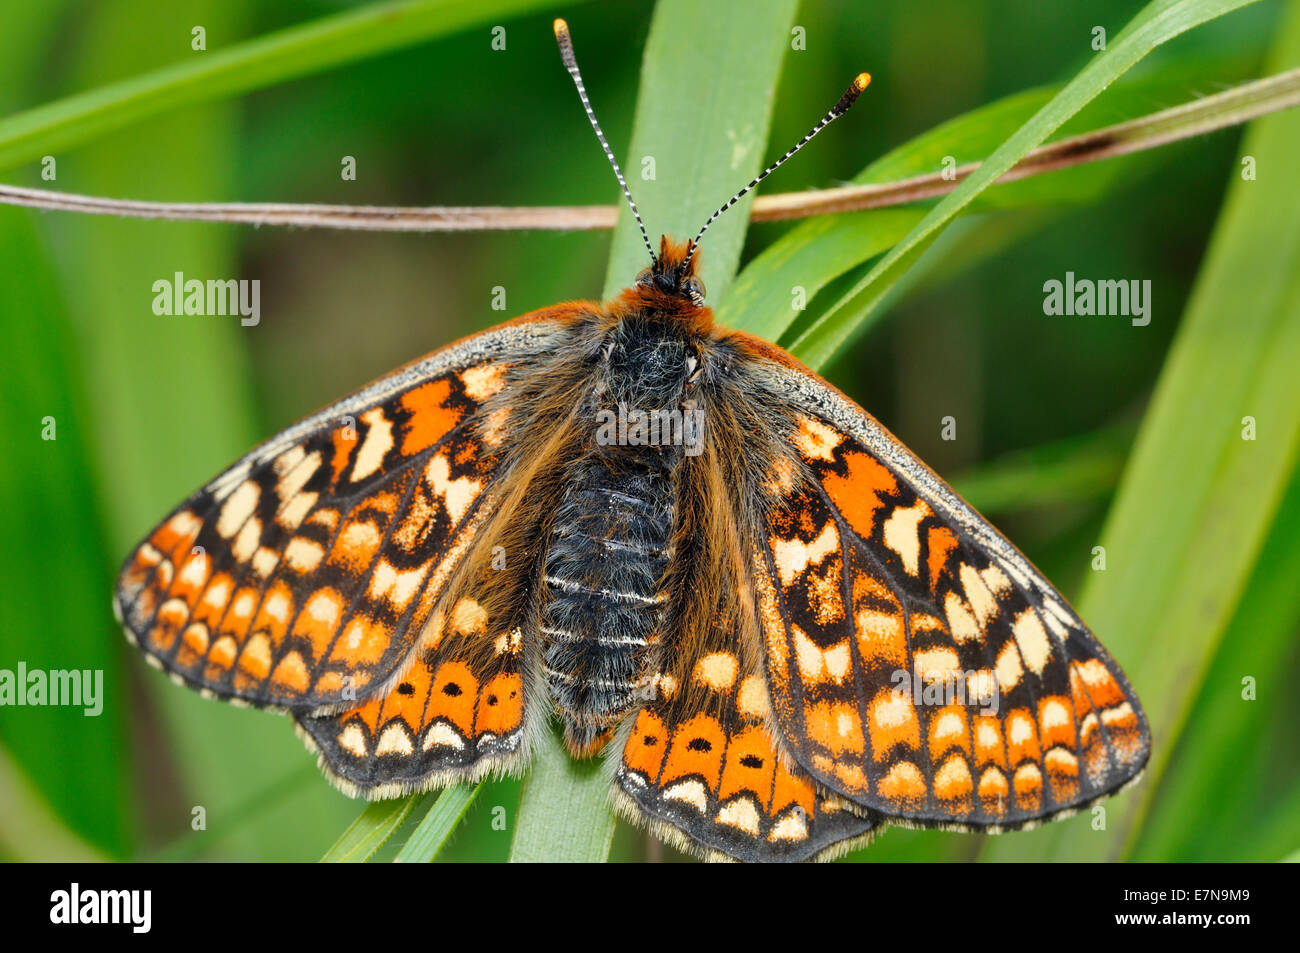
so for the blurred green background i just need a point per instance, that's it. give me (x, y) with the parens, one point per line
(1047, 408)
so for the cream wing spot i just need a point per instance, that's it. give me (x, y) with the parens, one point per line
(398, 587)
(819, 665)
(716, 671)
(891, 709)
(353, 740)
(468, 617)
(1032, 639)
(295, 476)
(792, 827)
(902, 533)
(996, 580)
(238, 508)
(1028, 776)
(936, 665)
(295, 510)
(961, 622)
(247, 541)
(278, 606)
(793, 556)
(363, 536)
(303, 554)
(394, 740)
(184, 524)
(379, 440)
(751, 700)
(325, 607)
(982, 683)
(815, 440)
(978, 595)
(742, 815)
(457, 495)
(1061, 761)
(243, 606)
(1054, 715)
(1019, 729)
(690, 792)
(949, 725)
(953, 777)
(1009, 670)
(1119, 714)
(286, 461)
(483, 381)
(442, 735)
(218, 593)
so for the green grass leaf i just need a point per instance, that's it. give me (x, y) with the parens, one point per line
(50, 539)
(1197, 499)
(1159, 22)
(437, 825)
(29, 830)
(225, 71)
(564, 814)
(1236, 757)
(372, 829)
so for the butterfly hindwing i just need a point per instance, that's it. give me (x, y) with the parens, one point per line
(699, 760)
(457, 712)
(302, 576)
(918, 664)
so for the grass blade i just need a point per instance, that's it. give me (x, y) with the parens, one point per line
(437, 825)
(1235, 745)
(254, 64)
(30, 831)
(564, 814)
(371, 830)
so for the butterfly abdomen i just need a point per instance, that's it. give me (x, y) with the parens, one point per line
(608, 553)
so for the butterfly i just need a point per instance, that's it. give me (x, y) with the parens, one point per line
(780, 628)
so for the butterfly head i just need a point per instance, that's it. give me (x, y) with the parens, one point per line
(673, 272)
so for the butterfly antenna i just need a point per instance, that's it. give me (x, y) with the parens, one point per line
(571, 64)
(850, 96)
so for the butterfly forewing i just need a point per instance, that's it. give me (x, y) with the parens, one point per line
(302, 576)
(918, 664)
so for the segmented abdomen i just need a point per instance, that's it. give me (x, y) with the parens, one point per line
(607, 556)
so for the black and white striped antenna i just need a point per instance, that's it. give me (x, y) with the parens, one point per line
(839, 109)
(571, 64)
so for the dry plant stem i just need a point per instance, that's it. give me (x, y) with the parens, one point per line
(1233, 107)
